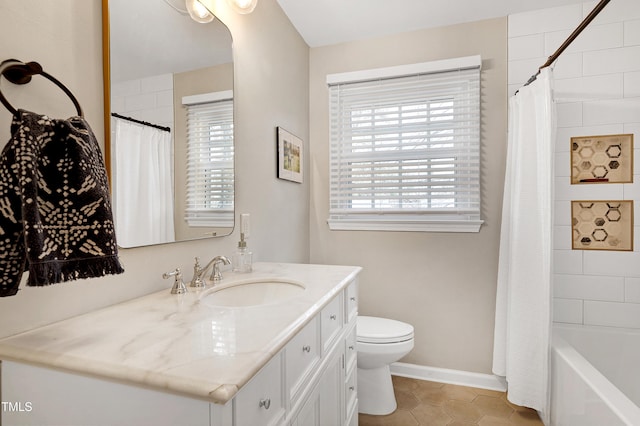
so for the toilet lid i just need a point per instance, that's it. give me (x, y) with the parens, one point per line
(382, 330)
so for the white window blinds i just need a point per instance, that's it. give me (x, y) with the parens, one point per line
(210, 173)
(405, 151)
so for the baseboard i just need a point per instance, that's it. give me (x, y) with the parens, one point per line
(454, 377)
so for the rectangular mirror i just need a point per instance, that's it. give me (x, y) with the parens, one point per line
(169, 118)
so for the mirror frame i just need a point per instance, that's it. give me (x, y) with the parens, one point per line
(106, 71)
(106, 86)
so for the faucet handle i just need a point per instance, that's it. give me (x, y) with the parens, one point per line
(197, 280)
(178, 284)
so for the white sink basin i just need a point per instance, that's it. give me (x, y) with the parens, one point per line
(256, 292)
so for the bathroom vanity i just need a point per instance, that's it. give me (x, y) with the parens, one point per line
(273, 347)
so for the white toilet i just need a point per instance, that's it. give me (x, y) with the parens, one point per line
(381, 341)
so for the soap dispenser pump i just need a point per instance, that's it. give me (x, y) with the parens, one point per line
(242, 258)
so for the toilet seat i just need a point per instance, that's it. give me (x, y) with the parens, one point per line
(382, 330)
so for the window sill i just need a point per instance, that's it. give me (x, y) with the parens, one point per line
(468, 226)
(215, 220)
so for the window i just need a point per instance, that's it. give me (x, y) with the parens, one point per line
(405, 148)
(210, 189)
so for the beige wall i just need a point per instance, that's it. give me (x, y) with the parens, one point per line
(271, 62)
(442, 283)
(65, 38)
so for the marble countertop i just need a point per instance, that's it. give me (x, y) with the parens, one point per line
(177, 343)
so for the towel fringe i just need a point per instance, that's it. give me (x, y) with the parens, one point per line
(46, 273)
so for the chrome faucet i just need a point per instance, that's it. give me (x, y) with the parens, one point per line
(216, 275)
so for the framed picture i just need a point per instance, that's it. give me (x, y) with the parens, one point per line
(602, 225)
(290, 156)
(602, 159)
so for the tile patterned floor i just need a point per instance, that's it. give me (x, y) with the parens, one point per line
(422, 403)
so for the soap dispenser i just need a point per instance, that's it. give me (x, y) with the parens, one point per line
(242, 258)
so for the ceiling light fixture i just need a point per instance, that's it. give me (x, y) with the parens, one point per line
(243, 6)
(199, 11)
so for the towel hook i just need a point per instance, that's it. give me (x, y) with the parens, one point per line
(18, 72)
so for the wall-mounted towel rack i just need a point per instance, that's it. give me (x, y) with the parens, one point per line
(18, 72)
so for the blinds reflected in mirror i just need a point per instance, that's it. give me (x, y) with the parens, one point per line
(210, 174)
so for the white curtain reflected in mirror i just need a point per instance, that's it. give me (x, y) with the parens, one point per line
(143, 196)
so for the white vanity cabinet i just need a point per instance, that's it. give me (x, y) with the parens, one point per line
(332, 398)
(350, 342)
(319, 374)
(351, 378)
(45, 397)
(311, 381)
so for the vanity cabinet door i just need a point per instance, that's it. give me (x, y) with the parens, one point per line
(331, 321)
(323, 406)
(302, 355)
(351, 392)
(351, 348)
(330, 393)
(309, 414)
(261, 401)
(353, 418)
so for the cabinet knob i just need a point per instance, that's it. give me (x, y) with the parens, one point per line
(306, 348)
(353, 299)
(333, 316)
(351, 347)
(265, 403)
(352, 388)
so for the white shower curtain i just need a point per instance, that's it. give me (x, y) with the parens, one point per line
(143, 196)
(523, 301)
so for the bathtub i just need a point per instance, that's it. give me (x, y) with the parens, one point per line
(595, 376)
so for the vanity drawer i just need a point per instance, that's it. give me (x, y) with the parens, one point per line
(261, 401)
(331, 321)
(351, 390)
(352, 300)
(302, 355)
(351, 348)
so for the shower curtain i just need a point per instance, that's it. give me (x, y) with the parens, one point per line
(143, 196)
(523, 300)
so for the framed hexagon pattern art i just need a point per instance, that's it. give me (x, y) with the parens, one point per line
(602, 225)
(602, 159)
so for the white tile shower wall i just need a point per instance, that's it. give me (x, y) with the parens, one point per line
(149, 99)
(598, 92)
